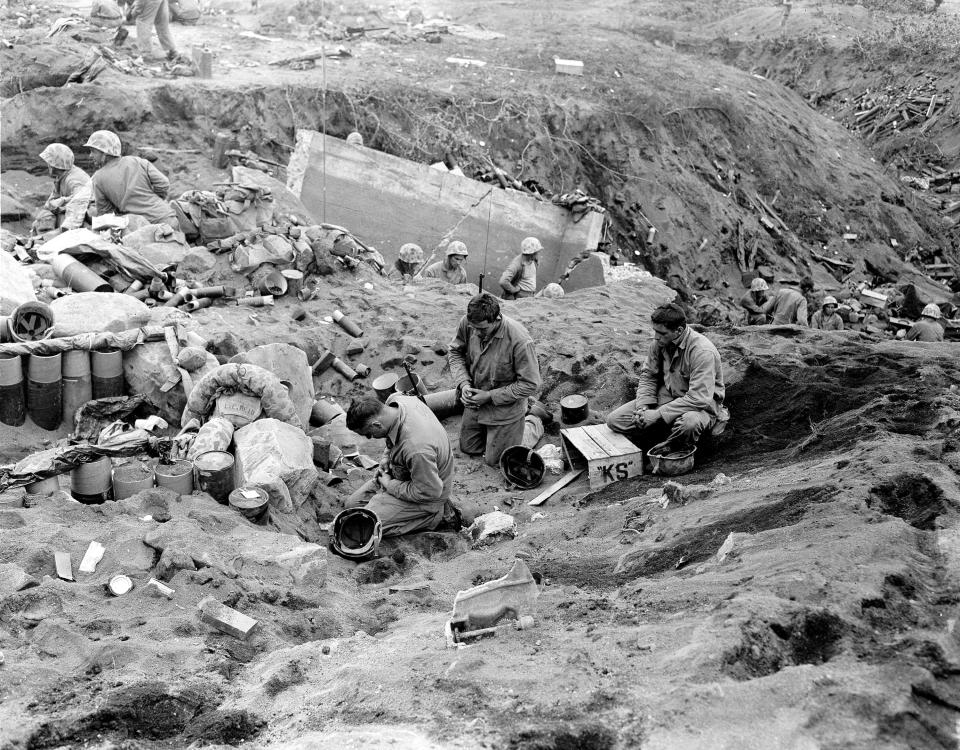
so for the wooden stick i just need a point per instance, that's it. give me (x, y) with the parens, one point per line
(554, 488)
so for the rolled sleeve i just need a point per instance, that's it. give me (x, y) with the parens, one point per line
(424, 484)
(649, 382)
(699, 396)
(528, 376)
(457, 354)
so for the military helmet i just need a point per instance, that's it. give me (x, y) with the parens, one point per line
(530, 246)
(410, 253)
(758, 285)
(828, 300)
(58, 156)
(355, 534)
(932, 311)
(106, 141)
(457, 248)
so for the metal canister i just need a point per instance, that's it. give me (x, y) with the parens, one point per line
(214, 474)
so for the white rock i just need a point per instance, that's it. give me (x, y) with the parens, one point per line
(92, 312)
(490, 525)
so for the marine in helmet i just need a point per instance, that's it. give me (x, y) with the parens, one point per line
(788, 305)
(520, 277)
(409, 261)
(680, 392)
(754, 300)
(411, 489)
(450, 269)
(827, 318)
(494, 364)
(928, 328)
(71, 187)
(355, 139)
(128, 184)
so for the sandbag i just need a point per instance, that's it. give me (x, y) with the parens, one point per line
(160, 244)
(286, 203)
(91, 312)
(249, 379)
(278, 457)
(214, 435)
(15, 285)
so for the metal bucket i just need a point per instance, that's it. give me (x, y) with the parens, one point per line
(92, 483)
(13, 399)
(44, 487)
(107, 369)
(77, 383)
(444, 403)
(574, 409)
(177, 476)
(44, 390)
(671, 464)
(385, 384)
(411, 388)
(131, 478)
(251, 502)
(213, 474)
(325, 410)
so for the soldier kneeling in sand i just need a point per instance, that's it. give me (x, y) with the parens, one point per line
(411, 489)
(680, 393)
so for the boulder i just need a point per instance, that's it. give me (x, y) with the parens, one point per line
(148, 366)
(14, 578)
(278, 457)
(93, 312)
(491, 526)
(290, 365)
(197, 260)
(159, 244)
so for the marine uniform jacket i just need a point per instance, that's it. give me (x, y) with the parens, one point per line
(925, 330)
(833, 323)
(787, 306)
(418, 453)
(527, 281)
(505, 364)
(439, 270)
(755, 313)
(69, 184)
(131, 185)
(685, 377)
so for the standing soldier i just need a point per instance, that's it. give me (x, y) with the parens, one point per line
(520, 277)
(494, 363)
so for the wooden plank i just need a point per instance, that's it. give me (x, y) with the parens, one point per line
(580, 440)
(225, 619)
(604, 437)
(554, 488)
(387, 201)
(615, 468)
(64, 565)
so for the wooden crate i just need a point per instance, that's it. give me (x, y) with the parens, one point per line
(570, 67)
(609, 456)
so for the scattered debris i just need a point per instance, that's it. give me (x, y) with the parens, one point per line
(92, 556)
(490, 526)
(225, 619)
(477, 611)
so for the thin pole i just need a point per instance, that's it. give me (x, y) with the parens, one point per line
(486, 242)
(323, 155)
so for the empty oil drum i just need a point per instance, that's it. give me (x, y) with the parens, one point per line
(77, 385)
(574, 409)
(13, 402)
(44, 400)
(92, 483)
(107, 368)
(213, 474)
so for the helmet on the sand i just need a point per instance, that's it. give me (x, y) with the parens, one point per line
(410, 253)
(932, 311)
(522, 466)
(530, 246)
(457, 248)
(106, 141)
(355, 534)
(553, 291)
(58, 156)
(828, 300)
(758, 285)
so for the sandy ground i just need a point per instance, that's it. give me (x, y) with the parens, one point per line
(828, 623)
